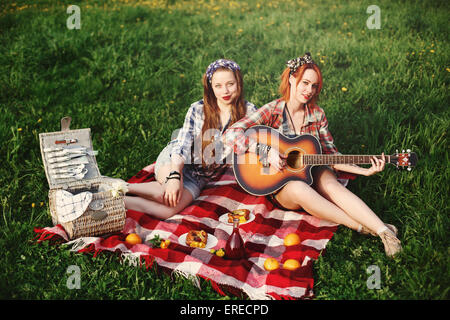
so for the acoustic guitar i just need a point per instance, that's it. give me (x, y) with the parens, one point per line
(301, 153)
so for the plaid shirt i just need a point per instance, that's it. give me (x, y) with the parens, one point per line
(273, 115)
(188, 142)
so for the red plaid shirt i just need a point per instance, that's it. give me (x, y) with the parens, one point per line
(271, 115)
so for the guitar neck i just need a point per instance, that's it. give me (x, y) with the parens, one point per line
(330, 159)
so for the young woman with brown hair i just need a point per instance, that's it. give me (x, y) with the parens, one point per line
(297, 113)
(187, 163)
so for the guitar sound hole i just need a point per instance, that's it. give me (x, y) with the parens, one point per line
(294, 159)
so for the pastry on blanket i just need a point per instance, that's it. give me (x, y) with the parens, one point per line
(242, 214)
(197, 238)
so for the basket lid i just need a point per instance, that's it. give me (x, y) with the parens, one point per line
(63, 139)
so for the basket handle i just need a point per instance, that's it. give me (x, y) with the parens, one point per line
(65, 123)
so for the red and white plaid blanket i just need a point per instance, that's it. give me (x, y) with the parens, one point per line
(263, 238)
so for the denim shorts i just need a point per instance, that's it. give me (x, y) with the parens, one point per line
(192, 183)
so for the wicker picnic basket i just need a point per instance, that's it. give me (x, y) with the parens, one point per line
(108, 214)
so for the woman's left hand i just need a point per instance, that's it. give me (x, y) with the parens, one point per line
(377, 165)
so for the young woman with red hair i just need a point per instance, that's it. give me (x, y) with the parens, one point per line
(296, 113)
(187, 163)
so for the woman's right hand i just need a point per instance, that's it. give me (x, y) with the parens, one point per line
(276, 160)
(173, 191)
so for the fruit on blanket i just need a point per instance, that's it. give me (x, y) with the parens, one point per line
(271, 264)
(291, 264)
(220, 252)
(164, 244)
(133, 238)
(291, 239)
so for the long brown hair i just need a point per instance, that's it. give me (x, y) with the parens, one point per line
(285, 88)
(211, 109)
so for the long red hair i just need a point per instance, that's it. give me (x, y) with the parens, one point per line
(211, 109)
(285, 87)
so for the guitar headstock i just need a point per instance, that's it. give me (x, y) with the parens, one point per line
(405, 159)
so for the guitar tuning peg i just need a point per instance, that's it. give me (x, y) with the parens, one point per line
(403, 151)
(409, 168)
(408, 150)
(396, 151)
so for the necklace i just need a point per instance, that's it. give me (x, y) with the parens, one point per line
(292, 122)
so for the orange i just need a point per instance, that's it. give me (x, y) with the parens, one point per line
(291, 264)
(291, 239)
(133, 238)
(271, 264)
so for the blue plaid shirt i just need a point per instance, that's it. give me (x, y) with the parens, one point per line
(188, 141)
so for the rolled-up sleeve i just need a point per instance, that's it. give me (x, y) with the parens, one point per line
(235, 137)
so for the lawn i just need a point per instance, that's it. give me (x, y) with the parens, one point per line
(132, 70)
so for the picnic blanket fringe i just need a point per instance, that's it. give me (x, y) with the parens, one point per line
(54, 234)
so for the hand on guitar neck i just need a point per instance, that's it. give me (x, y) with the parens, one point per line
(377, 162)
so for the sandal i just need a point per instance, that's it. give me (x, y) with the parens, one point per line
(392, 244)
(364, 230)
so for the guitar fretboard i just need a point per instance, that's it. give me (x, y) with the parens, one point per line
(329, 159)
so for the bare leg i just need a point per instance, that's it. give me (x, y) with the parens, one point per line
(329, 187)
(335, 203)
(153, 190)
(148, 190)
(157, 209)
(150, 197)
(298, 194)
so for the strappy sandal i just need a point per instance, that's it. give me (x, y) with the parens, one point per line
(365, 230)
(392, 244)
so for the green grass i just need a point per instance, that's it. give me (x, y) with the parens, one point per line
(133, 69)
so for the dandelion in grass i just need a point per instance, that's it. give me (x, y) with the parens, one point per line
(33, 205)
(448, 69)
(432, 51)
(344, 89)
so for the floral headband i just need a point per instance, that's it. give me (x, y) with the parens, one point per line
(221, 63)
(294, 64)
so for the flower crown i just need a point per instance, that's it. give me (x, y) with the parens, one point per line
(221, 63)
(294, 64)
